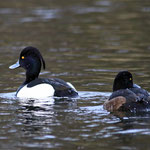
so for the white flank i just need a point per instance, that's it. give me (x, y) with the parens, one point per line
(38, 91)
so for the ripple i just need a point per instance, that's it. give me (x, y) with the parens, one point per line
(8, 95)
(90, 94)
(40, 14)
(102, 70)
(85, 10)
(9, 11)
(131, 131)
(95, 109)
(103, 3)
(146, 9)
(45, 137)
(45, 13)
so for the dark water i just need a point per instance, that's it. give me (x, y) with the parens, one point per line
(83, 42)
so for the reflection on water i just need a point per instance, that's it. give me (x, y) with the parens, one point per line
(41, 123)
(85, 43)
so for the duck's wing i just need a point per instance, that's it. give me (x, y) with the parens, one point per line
(141, 93)
(62, 88)
(126, 93)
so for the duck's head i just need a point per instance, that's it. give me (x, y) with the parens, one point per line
(123, 80)
(31, 60)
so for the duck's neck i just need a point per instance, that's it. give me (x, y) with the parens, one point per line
(32, 72)
(30, 78)
(117, 87)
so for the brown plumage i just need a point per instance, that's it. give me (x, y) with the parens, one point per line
(114, 104)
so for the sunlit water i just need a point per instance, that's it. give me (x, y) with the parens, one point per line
(85, 43)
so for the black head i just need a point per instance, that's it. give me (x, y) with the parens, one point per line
(123, 80)
(30, 55)
(31, 60)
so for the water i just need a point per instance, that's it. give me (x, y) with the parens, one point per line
(85, 43)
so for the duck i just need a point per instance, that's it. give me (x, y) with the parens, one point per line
(126, 95)
(34, 87)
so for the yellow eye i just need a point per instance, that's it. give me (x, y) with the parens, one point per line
(130, 79)
(22, 57)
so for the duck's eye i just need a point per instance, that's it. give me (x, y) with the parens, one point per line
(130, 79)
(22, 57)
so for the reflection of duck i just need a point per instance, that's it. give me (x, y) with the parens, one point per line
(34, 87)
(127, 96)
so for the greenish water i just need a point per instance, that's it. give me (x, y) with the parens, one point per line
(85, 43)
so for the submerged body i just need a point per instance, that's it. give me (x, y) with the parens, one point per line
(34, 87)
(127, 96)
